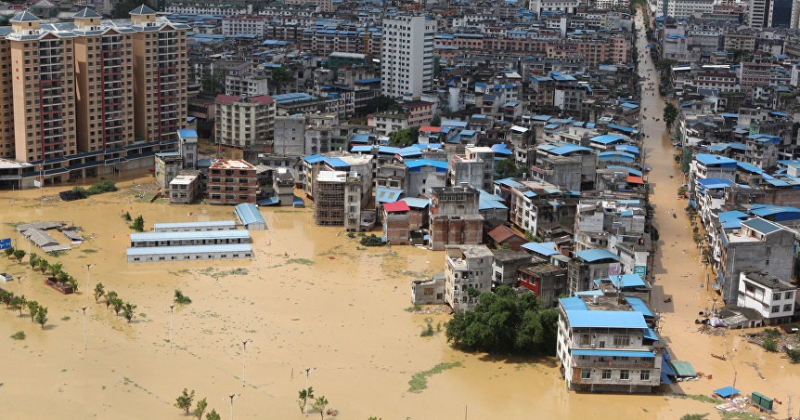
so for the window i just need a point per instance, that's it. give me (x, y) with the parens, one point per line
(787, 296)
(620, 340)
(586, 374)
(644, 375)
(776, 309)
(606, 373)
(787, 308)
(776, 296)
(624, 374)
(585, 340)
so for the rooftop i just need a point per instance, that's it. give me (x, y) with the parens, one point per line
(767, 280)
(189, 236)
(231, 164)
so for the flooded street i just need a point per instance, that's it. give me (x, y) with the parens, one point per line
(314, 298)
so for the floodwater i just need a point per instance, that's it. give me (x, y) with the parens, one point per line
(312, 298)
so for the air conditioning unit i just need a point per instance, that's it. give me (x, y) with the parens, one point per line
(592, 345)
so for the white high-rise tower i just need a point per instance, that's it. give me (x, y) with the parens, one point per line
(407, 56)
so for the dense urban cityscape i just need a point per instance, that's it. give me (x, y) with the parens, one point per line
(400, 209)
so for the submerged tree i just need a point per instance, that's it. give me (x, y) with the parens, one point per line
(33, 308)
(184, 401)
(41, 316)
(127, 311)
(504, 322)
(99, 291)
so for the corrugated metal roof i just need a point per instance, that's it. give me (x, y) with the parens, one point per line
(545, 248)
(387, 195)
(605, 319)
(592, 255)
(573, 304)
(638, 305)
(193, 225)
(614, 353)
(248, 213)
(418, 203)
(761, 225)
(628, 280)
(187, 236)
(194, 249)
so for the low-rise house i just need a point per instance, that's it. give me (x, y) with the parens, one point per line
(505, 266)
(546, 281)
(605, 344)
(429, 291)
(250, 217)
(396, 223)
(466, 266)
(772, 297)
(591, 264)
(232, 181)
(504, 237)
(185, 187)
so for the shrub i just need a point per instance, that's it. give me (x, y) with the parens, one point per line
(770, 344)
(371, 240)
(794, 355)
(19, 335)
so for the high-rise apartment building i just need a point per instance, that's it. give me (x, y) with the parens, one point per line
(160, 76)
(85, 100)
(407, 56)
(245, 122)
(104, 82)
(44, 90)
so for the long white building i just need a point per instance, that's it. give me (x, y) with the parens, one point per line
(407, 56)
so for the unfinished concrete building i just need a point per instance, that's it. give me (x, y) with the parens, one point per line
(337, 199)
(454, 217)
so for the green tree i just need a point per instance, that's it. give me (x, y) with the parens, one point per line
(770, 344)
(184, 401)
(99, 291)
(19, 254)
(117, 304)
(62, 277)
(794, 355)
(319, 405)
(122, 10)
(33, 260)
(138, 224)
(72, 282)
(5, 297)
(55, 269)
(127, 216)
(670, 114)
(213, 83)
(506, 168)
(304, 395)
(41, 316)
(17, 303)
(694, 416)
(200, 409)
(281, 77)
(531, 237)
(180, 298)
(380, 104)
(110, 297)
(212, 415)
(686, 160)
(44, 265)
(436, 121)
(33, 308)
(404, 137)
(9, 251)
(504, 322)
(127, 311)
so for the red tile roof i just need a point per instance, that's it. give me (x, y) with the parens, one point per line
(230, 99)
(396, 207)
(503, 233)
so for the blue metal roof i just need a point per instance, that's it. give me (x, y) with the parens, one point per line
(501, 149)
(414, 165)
(418, 203)
(545, 248)
(629, 148)
(194, 225)
(629, 105)
(643, 354)
(336, 162)
(605, 319)
(715, 160)
(628, 280)
(187, 133)
(387, 195)
(248, 213)
(189, 236)
(567, 149)
(193, 249)
(573, 304)
(592, 255)
(730, 216)
(638, 305)
(615, 156)
(607, 138)
(749, 167)
(781, 213)
(361, 149)
(623, 128)
(760, 225)
(360, 138)
(508, 182)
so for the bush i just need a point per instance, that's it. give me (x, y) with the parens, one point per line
(371, 240)
(180, 298)
(794, 355)
(19, 335)
(770, 345)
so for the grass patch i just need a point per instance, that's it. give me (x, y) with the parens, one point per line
(89, 251)
(740, 416)
(419, 381)
(701, 398)
(302, 261)
(19, 335)
(65, 318)
(235, 272)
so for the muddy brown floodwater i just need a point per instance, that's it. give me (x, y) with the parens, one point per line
(312, 298)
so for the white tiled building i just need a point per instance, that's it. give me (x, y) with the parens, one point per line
(407, 56)
(772, 297)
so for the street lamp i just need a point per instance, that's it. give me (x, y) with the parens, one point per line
(88, 278)
(171, 313)
(233, 396)
(305, 402)
(84, 327)
(244, 358)
(19, 284)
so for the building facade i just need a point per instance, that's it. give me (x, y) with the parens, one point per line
(407, 56)
(466, 267)
(232, 182)
(244, 122)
